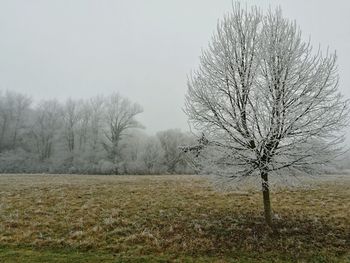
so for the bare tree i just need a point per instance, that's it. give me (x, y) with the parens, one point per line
(6, 116)
(96, 108)
(267, 103)
(152, 155)
(170, 141)
(70, 121)
(13, 110)
(120, 117)
(45, 127)
(21, 106)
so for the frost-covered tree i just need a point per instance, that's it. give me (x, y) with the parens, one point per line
(268, 104)
(95, 112)
(70, 121)
(170, 142)
(131, 149)
(120, 117)
(152, 155)
(73, 136)
(46, 126)
(6, 118)
(14, 109)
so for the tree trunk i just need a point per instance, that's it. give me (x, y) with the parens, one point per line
(266, 197)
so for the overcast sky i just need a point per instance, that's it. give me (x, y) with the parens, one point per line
(141, 49)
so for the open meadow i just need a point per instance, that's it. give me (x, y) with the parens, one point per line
(82, 218)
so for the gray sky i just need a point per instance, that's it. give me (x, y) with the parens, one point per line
(141, 49)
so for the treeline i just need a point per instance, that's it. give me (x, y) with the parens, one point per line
(100, 135)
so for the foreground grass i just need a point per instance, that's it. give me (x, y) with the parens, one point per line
(77, 218)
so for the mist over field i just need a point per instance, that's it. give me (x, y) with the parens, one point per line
(174, 131)
(143, 50)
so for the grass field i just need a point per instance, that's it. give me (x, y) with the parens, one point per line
(79, 218)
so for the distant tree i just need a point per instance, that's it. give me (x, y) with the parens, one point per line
(152, 155)
(47, 120)
(120, 117)
(267, 103)
(21, 105)
(171, 141)
(14, 108)
(131, 150)
(81, 127)
(96, 108)
(70, 121)
(6, 116)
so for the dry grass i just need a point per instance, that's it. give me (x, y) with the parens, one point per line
(169, 218)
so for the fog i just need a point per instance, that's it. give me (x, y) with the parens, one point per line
(142, 49)
(98, 162)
